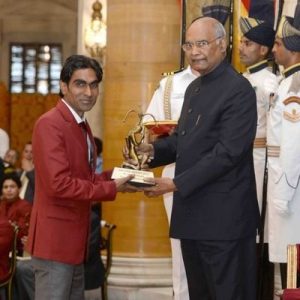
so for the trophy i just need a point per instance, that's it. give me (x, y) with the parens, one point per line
(134, 138)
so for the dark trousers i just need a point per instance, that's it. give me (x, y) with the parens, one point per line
(220, 270)
(265, 273)
(283, 274)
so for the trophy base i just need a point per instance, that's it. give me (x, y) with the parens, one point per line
(138, 180)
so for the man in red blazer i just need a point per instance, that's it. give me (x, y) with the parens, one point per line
(66, 184)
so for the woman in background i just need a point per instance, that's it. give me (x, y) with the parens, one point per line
(13, 208)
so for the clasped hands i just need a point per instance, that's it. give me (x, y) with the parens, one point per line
(160, 185)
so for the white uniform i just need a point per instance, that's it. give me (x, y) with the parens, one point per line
(257, 75)
(283, 139)
(4, 142)
(180, 82)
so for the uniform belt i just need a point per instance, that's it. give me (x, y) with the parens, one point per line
(260, 143)
(273, 151)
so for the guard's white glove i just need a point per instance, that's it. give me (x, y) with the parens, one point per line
(281, 206)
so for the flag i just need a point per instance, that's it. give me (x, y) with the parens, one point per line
(218, 9)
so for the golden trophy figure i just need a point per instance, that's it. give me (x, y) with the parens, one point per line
(135, 163)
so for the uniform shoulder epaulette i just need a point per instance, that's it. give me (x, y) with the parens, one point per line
(172, 72)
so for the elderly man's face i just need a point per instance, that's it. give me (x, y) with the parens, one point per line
(11, 157)
(212, 49)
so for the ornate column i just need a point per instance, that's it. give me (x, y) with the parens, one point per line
(84, 18)
(143, 41)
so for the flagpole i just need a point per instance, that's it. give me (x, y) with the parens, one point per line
(230, 46)
(280, 9)
(183, 30)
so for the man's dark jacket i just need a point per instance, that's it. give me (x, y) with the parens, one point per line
(212, 147)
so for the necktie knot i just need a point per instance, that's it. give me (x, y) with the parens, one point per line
(83, 125)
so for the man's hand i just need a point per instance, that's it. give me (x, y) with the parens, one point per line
(162, 186)
(123, 185)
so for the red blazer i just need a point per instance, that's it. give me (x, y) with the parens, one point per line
(6, 238)
(64, 189)
(19, 213)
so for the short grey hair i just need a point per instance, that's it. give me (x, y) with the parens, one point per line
(220, 30)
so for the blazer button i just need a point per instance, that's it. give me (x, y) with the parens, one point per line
(197, 90)
(183, 132)
(190, 110)
(177, 156)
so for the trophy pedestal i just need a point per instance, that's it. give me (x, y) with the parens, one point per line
(139, 176)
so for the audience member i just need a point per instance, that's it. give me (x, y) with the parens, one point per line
(7, 165)
(6, 236)
(27, 173)
(4, 142)
(13, 208)
(10, 160)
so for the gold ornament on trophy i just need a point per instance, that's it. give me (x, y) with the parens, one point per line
(134, 164)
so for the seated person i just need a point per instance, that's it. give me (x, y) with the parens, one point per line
(10, 159)
(27, 174)
(6, 237)
(93, 267)
(13, 208)
(8, 163)
(4, 142)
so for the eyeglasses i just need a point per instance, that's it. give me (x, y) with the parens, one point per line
(198, 44)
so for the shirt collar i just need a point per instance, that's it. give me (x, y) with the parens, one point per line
(188, 71)
(74, 113)
(258, 66)
(215, 72)
(291, 70)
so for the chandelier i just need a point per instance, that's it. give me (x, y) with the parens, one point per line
(95, 33)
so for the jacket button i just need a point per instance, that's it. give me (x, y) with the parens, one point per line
(190, 110)
(177, 156)
(183, 132)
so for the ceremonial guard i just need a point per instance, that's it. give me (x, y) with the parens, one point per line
(283, 139)
(255, 46)
(254, 50)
